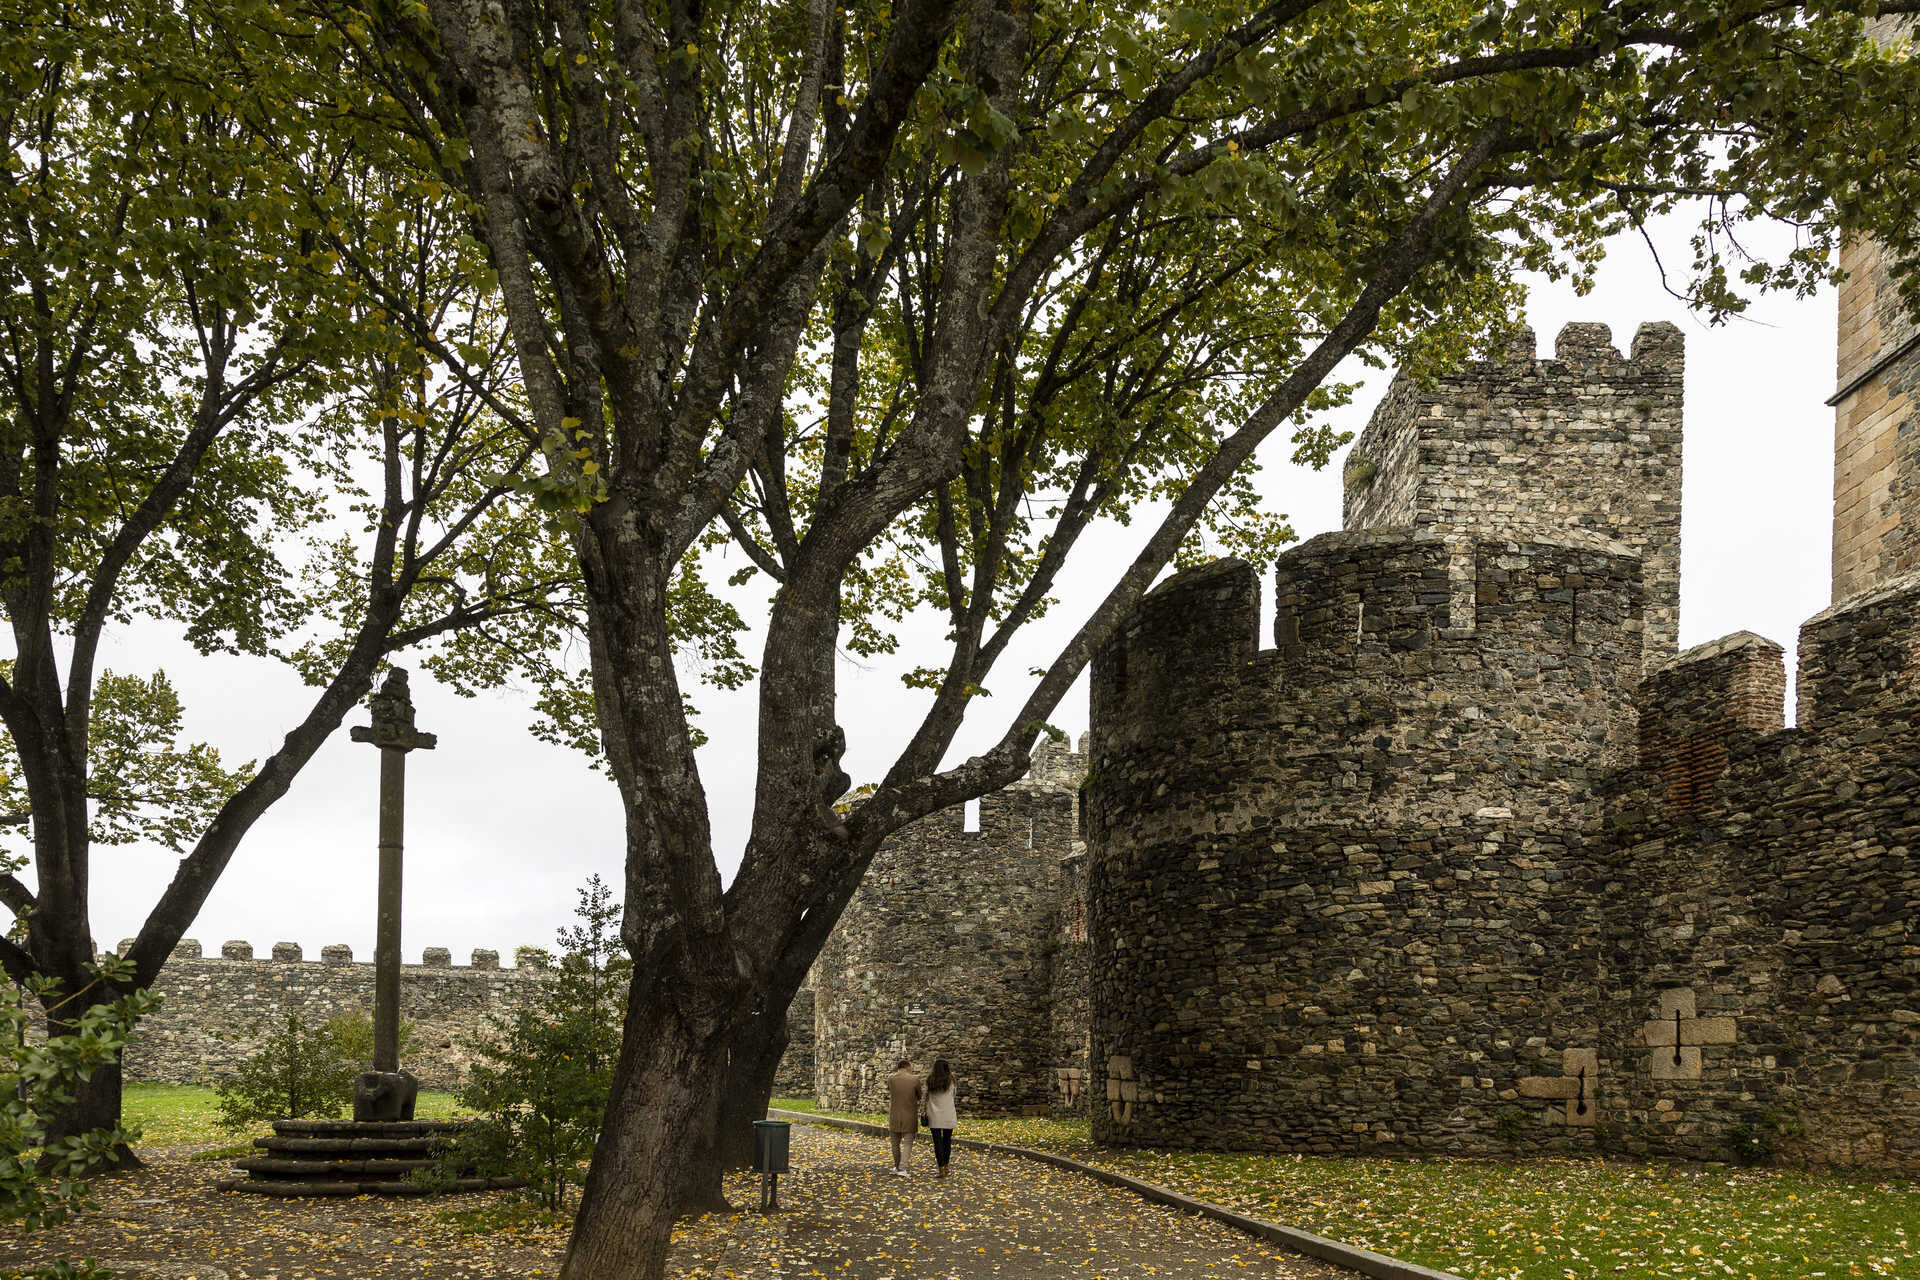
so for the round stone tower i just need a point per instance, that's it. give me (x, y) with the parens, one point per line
(1329, 897)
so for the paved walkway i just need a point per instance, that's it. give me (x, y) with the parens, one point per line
(846, 1217)
(994, 1216)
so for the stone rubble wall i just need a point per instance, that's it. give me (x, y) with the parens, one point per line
(215, 1009)
(1587, 443)
(949, 949)
(794, 1079)
(1320, 874)
(1763, 921)
(1395, 886)
(1072, 981)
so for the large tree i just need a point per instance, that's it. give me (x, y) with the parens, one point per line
(806, 274)
(189, 388)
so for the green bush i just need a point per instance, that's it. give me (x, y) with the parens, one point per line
(540, 1084)
(300, 1071)
(44, 1183)
(1749, 1146)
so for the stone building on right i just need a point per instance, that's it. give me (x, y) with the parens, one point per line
(1466, 858)
(1876, 403)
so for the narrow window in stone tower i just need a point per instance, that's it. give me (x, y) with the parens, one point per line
(971, 822)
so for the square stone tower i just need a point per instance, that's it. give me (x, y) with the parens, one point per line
(1876, 427)
(1585, 445)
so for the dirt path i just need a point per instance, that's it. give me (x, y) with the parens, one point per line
(845, 1216)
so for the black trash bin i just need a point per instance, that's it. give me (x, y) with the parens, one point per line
(770, 1141)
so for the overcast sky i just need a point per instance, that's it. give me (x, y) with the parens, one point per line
(502, 828)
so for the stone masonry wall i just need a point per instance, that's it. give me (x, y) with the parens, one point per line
(1321, 875)
(1585, 443)
(1072, 979)
(948, 949)
(1765, 956)
(1317, 924)
(214, 1007)
(1876, 447)
(794, 1079)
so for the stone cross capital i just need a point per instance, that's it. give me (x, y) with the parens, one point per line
(392, 727)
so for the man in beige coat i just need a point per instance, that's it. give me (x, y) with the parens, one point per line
(904, 1092)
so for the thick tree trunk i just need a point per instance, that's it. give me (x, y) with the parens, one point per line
(754, 1051)
(702, 1187)
(658, 1117)
(753, 1060)
(96, 1105)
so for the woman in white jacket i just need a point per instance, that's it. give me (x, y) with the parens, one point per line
(939, 1112)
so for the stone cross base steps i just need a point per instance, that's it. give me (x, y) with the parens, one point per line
(349, 1158)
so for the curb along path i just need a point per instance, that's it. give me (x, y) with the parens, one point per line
(1368, 1263)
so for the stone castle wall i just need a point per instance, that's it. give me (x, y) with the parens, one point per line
(1760, 907)
(795, 1077)
(950, 948)
(1585, 443)
(1320, 874)
(1440, 872)
(1315, 928)
(1876, 447)
(215, 1009)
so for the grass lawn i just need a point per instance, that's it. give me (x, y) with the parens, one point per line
(1548, 1219)
(172, 1115)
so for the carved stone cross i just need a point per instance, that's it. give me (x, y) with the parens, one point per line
(1576, 1086)
(1676, 1036)
(393, 732)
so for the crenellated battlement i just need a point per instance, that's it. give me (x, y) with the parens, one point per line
(1056, 764)
(1189, 636)
(339, 953)
(215, 1008)
(1404, 610)
(1692, 706)
(1584, 444)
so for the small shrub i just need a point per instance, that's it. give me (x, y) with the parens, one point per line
(1360, 474)
(43, 1183)
(540, 1084)
(1784, 1124)
(301, 1071)
(1749, 1146)
(298, 1073)
(352, 1034)
(1510, 1126)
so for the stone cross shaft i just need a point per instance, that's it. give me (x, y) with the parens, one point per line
(1677, 1034)
(393, 732)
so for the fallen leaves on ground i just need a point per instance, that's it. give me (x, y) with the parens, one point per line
(1541, 1219)
(845, 1215)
